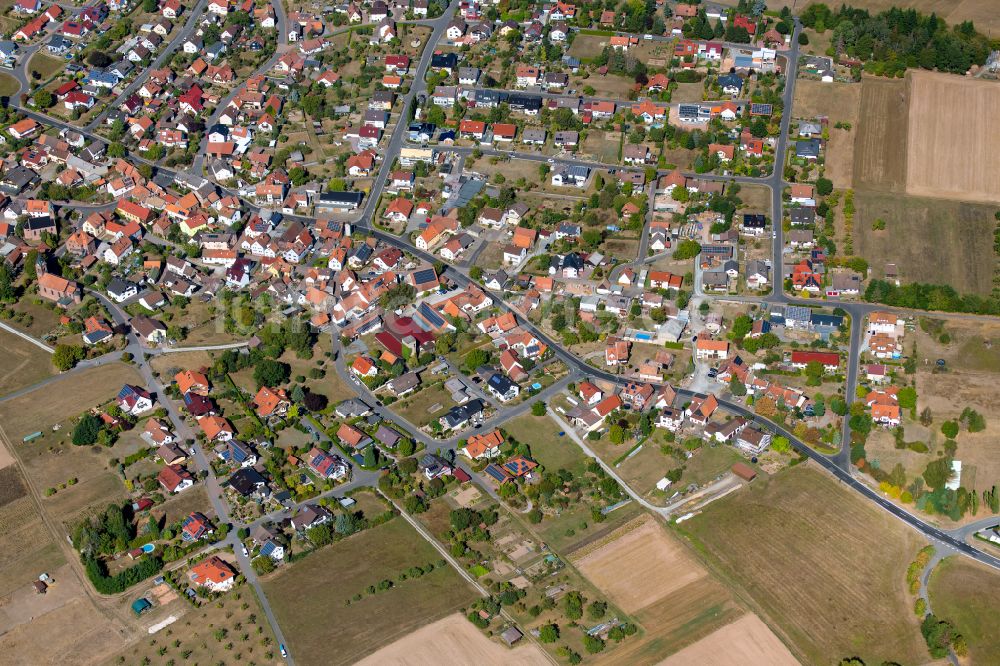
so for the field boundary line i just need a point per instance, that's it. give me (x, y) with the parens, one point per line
(398, 635)
(21, 334)
(427, 536)
(61, 540)
(716, 567)
(636, 523)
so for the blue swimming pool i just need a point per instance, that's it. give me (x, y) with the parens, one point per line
(148, 548)
(643, 336)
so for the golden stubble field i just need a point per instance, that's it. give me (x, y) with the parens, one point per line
(745, 642)
(640, 567)
(953, 144)
(453, 640)
(680, 605)
(929, 135)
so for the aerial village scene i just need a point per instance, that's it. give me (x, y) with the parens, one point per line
(499, 332)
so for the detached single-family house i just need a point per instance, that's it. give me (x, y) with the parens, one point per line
(134, 400)
(174, 479)
(214, 573)
(483, 447)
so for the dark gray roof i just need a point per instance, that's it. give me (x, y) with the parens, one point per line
(731, 80)
(500, 383)
(246, 480)
(802, 215)
(340, 198)
(117, 286)
(462, 413)
(424, 275)
(444, 60)
(807, 148)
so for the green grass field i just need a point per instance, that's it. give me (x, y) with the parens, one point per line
(310, 597)
(547, 447)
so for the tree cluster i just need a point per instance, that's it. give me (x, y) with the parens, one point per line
(896, 39)
(921, 296)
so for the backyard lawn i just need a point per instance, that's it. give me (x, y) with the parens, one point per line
(425, 406)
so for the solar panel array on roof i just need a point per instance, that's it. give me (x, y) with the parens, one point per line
(430, 315)
(240, 452)
(798, 313)
(820, 319)
(424, 275)
(466, 193)
(497, 472)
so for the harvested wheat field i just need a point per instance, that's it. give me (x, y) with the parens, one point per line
(745, 642)
(880, 146)
(640, 564)
(953, 148)
(452, 640)
(6, 459)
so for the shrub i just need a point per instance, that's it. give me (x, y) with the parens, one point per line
(86, 431)
(548, 633)
(687, 249)
(593, 644)
(97, 572)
